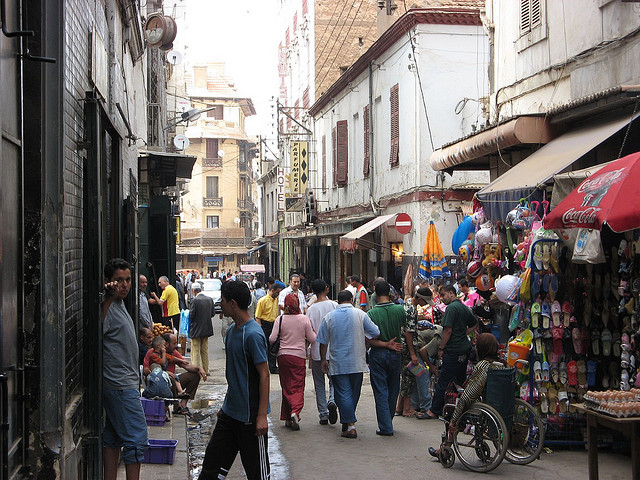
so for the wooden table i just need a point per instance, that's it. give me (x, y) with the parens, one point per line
(629, 427)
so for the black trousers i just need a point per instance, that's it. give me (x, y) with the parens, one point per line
(228, 438)
(175, 319)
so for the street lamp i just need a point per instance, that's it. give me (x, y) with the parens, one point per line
(189, 116)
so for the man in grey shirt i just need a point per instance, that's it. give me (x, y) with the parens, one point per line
(125, 426)
(146, 320)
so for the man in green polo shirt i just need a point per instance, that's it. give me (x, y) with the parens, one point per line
(385, 358)
(455, 348)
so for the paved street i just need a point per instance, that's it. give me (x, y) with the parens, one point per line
(318, 452)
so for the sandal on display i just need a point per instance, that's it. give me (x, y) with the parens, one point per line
(545, 311)
(537, 371)
(563, 401)
(606, 338)
(535, 315)
(592, 368)
(556, 314)
(572, 371)
(582, 373)
(563, 375)
(553, 400)
(544, 401)
(577, 340)
(615, 347)
(595, 342)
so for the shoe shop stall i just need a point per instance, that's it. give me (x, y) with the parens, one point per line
(564, 280)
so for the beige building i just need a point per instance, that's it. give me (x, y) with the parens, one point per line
(218, 212)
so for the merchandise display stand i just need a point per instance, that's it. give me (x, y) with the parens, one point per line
(629, 427)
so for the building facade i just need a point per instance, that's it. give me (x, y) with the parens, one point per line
(218, 213)
(562, 97)
(375, 129)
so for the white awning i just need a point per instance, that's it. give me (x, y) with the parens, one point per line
(348, 242)
(252, 268)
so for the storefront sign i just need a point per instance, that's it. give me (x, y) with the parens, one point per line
(212, 259)
(299, 167)
(280, 189)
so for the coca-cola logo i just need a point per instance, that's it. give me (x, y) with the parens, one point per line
(603, 181)
(580, 217)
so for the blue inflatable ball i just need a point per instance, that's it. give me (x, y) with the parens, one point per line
(462, 232)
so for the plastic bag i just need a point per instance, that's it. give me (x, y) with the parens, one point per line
(520, 217)
(184, 323)
(588, 247)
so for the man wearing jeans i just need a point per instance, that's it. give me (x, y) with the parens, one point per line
(125, 427)
(342, 337)
(455, 347)
(321, 307)
(385, 358)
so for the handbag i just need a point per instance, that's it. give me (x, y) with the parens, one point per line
(274, 348)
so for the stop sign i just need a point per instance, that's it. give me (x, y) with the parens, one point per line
(403, 223)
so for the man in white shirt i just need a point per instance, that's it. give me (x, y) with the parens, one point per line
(294, 287)
(351, 288)
(327, 411)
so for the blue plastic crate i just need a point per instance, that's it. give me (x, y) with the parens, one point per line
(155, 420)
(152, 407)
(160, 451)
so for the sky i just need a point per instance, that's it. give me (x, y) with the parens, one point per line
(241, 33)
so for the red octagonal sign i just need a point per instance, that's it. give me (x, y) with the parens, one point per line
(403, 223)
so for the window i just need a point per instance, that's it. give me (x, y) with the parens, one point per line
(212, 148)
(324, 163)
(532, 23)
(394, 100)
(212, 187)
(305, 98)
(216, 112)
(213, 221)
(341, 153)
(530, 15)
(367, 137)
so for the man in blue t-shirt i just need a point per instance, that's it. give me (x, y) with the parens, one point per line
(242, 421)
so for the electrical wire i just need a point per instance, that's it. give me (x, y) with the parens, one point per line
(335, 25)
(424, 102)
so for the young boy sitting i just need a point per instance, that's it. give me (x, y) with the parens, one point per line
(158, 355)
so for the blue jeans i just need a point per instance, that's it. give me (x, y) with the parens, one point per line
(126, 425)
(454, 367)
(420, 397)
(385, 366)
(347, 391)
(320, 389)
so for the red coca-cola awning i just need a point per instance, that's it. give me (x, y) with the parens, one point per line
(611, 196)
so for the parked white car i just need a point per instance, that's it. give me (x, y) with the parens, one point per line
(211, 288)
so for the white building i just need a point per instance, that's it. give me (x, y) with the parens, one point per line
(412, 85)
(564, 77)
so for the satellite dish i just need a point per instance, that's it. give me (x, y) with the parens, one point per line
(220, 153)
(181, 142)
(174, 58)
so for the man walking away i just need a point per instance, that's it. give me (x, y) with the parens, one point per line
(125, 427)
(200, 327)
(242, 421)
(342, 338)
(266, 313)
(328, 412)
(385, 359)
(455, 348)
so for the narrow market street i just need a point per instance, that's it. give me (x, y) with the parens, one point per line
(318, 452)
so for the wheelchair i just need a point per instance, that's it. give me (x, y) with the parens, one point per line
(497, 427)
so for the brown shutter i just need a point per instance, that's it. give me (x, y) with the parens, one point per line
(334, 158)
(367, 136)
(212, 148)
(324, 163)
(394, 159)
(342, 134)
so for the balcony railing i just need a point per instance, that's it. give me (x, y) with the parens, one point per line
(211, 202)
(215, 237)
(211, 163)
(246, 204)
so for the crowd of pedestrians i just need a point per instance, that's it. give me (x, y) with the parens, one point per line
(275, 329)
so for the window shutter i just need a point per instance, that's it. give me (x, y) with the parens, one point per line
(305, 7)
(212, 148)
(394, 159)
(367, 136)
(536, 13)
(324, 163)
(342, 134)
(334, 158)
(212, 187)
(525, 16)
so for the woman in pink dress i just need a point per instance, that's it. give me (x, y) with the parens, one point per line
(294, 329)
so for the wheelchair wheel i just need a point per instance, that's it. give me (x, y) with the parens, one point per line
(446, 456)
(526, 438)
(482, 439)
